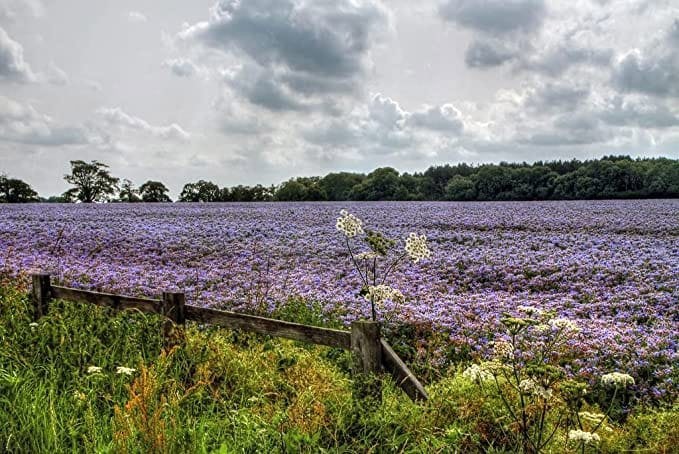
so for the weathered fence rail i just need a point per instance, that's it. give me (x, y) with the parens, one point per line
(371, 352)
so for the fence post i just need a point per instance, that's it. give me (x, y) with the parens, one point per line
(42, 293)
(173, 307)
(367, 352)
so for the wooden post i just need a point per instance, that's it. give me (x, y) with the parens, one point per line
(173, 307)
(367, 358)
(366, 347)
(42, 293)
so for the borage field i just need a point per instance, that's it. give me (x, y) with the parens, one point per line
(610, 266)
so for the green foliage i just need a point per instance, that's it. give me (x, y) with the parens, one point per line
(128, 193)
(154, 192)
(224, 391)
(93, 182)
(13, 190)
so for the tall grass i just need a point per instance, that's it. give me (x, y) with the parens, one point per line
(222, 391)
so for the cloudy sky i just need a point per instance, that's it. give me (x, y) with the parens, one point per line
(247, 91)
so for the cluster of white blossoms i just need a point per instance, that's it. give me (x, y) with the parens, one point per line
(93, 370)
(349, 224)
(367, 255)
(530, 310)
(416, 247)
(503, 350)
(477, 373)
(564, 324)
(595, 418)
(125, 370)
(378, 294)
(617, 379)
(530, 386)
(583, 437)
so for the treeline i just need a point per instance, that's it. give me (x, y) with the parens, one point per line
(607, 178)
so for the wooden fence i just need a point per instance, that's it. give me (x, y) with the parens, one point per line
(372, 354)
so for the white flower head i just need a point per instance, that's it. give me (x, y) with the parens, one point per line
(583, 437)
(503, 350)
(33, 325)
(349, 224)
(477, 373)
(93, 370)
(125, 370)
(367, 256)
(416, 247)
(381, 293)
(564, 324)
(617, 379)
(594, 418)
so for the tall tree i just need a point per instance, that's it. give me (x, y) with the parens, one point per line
(13, 190)
(93, 182)
(128, 193)
(201, 191)
(154, 191)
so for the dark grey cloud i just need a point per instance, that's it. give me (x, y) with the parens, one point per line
(261, 87)
(303, 48)
(445, 119)
(13, 68)
(488, 54)
(653, 70)
(556, 61)
(644, 114)
(495, 16)
(557, 97)
(657, 76)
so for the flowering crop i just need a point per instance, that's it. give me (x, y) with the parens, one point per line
(608, 266)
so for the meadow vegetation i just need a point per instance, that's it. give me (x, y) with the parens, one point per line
(85, 378)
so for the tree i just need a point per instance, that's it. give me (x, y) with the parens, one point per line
(460, 188)
(201, 191)
(92, 181)
(13, 190)
(380, 184)
(128, 193)
(338, 186)
(154, 191)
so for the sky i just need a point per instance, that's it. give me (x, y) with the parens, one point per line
(259, 91)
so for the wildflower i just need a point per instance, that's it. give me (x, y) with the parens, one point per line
(366, 256)
(378, 294)
(477, 374)
(93, 370)
(530, 386)
(583, 437)
(79, 395)
(503, 350)
(416, 247)
(595, 418)
(564, 324)
(530, 310)
(33, 325)
(617, 379)
(125, 370)
(349, 224)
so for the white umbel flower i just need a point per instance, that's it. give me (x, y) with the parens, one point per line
(617, 379)
(583, 437)
(349, 224)
(416, 247)
(477, 374)
(503, 350)
(93, 370)
(564, 324)
(381, 293)
(125, 370)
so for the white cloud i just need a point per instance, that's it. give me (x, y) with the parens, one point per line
(136, 16)
(115, 116)
(13, 68)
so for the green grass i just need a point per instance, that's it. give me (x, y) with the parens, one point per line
(221, 391)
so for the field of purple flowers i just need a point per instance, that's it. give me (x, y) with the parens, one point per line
(610, 266)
